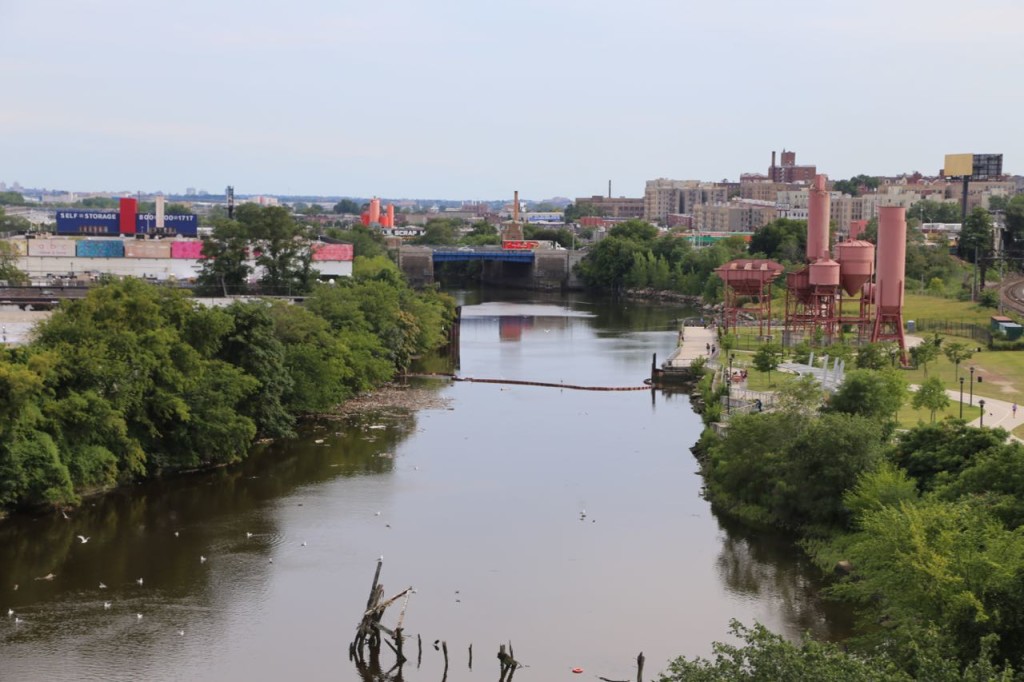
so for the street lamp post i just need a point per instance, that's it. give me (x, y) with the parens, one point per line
(728, 398)
(981, 404)
(971, 403)
(961, 397)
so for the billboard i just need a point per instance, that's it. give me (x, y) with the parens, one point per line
(88, 222)
(958, 165)
(188, 225)
(973, 166)
(987, 166)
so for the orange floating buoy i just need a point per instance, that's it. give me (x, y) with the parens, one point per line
(577, 670)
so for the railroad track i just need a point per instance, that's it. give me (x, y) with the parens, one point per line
(1012, 295)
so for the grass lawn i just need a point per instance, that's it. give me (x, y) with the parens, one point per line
(920, 307)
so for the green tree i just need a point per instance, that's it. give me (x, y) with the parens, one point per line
(347, 206)
(934, 453)
(931, 395)
(975, 244)
(280, 246)
(573, 212)
(9, 270)
(783, 239)
(853, 185)
(876, 394)
(938, 571)
(225, 269)
(439, 231)
(1013, 214)
(923, 353)
(992, 479)
(928, 211)
(767, 657)
(767, 358)
(956, 352)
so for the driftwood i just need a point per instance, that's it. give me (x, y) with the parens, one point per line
(370, 631)
(507, 662)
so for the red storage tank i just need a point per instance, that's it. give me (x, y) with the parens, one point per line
(747, 276)
(856, 264)
(824, 273)
(818, 206)
(129, 208)
(374, 211)
(391, 215)
(892, 258)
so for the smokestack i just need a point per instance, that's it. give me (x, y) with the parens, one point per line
(773, 159)
(160, 212)
(515, 208)
(609, 189)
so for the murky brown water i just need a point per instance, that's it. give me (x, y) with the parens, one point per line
(478, 505)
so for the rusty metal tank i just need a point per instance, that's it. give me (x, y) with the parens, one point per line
(747, 276)
(892, 258)
(867, 292)
(856, 264)
(374, 211)
(823, 273)
(799, 285)
(818, 206)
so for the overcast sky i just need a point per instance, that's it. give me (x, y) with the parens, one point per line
(472, 99)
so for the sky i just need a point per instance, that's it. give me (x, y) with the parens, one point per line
(471, 99)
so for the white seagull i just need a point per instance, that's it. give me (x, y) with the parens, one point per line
(106, 605)
(139, 581)
(84, 539)
(102, 586)
(138, 616)
(248, 534)
(10, 612)
(181, 633)
(202, 559)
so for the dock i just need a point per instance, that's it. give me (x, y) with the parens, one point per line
(694, 342)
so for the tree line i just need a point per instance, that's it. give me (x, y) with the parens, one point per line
(137, 380)
(922, 528)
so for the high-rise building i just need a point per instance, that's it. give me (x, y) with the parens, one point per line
(788, 171)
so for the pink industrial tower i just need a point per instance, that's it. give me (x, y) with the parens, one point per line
(812, 292)
(890, 277)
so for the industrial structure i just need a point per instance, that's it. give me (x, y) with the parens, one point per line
(374, 217)
(860, 291)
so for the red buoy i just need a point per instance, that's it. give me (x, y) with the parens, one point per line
(577, 670)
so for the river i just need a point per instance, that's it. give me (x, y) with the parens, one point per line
(567, 522)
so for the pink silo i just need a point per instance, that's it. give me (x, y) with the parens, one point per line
(818, 205)
(856, 264)
(375, 211)
(892, 258)
(824, 273)
(391, 215)
(889, 277)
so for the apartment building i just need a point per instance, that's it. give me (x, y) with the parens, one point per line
(608, 207)
(736, 215)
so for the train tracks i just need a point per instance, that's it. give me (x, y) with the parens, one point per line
(1011, 294)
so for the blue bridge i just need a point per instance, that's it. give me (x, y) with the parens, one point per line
(467, 254)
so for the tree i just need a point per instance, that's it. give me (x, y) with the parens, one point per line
(956, 352)
(9, 271)
(975, 243)
(347, 206)
(225, 269)
(803, 395)
(783, 238)
(931, 395)
(928, 211)
(11, 199)
(941, 572)
(767, 358)
(932, 453)
(280, 246)
(853, 185)
(573, 212)
(1013, 214)
(923, 353)
(876, 394)
(767, 657)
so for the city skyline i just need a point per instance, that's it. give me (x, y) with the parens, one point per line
(471, 101)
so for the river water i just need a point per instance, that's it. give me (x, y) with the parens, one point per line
(478, 502)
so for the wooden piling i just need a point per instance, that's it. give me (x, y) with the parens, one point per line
(444, 649)
(419, 650)
(640, 667)
(470, 656)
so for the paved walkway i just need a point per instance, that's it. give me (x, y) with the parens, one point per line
(694, 344)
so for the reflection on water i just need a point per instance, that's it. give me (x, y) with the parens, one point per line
(478, 504)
